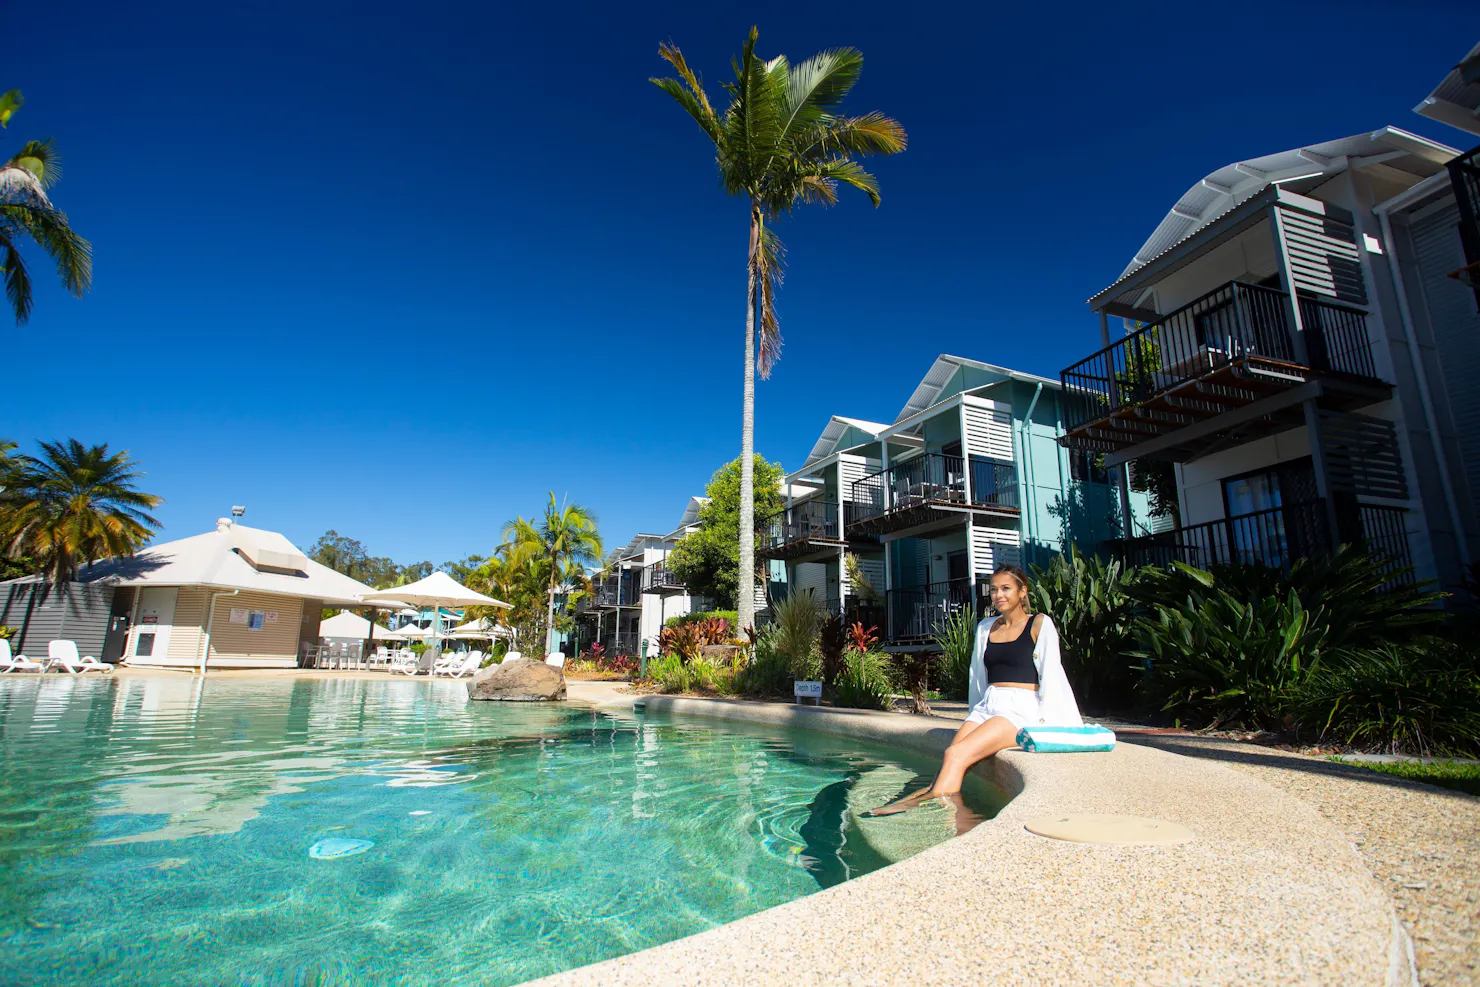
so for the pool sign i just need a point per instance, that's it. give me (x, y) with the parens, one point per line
(238, 615)
(808, 690)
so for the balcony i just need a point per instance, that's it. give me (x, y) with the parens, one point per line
(1464, 175)
(1275, 538)
(660, 579)
(799, 531)
(612, 594)
(1228, 363)
(914, 615)
(920, 490)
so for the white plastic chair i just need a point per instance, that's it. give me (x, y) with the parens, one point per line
(63, 655)
(405, 661)
(16, 663)
(557, 659)
(511, 656)
(470, 666)
(447, 662)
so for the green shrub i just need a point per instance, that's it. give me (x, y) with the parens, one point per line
(797, 620)
(671, 674)
(1220, 659)
(702, 615)
(864, 682)
(1093, 605)
(769, 671)
(418, 648)
(1421, 698)
(956, 637)
(1355, 592)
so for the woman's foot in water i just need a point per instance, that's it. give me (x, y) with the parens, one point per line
(901, 805)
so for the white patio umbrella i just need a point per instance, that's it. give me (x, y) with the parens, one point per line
(351, 625)
(435, 591)
(478, 630)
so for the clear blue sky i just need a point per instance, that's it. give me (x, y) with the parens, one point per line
(398, 269)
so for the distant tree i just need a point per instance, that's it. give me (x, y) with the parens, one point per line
(563, 540)
(708, 560)
(71, 505)
(344, 554)
(782, 141)
(27, 214)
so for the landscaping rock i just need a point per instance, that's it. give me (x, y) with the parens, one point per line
(717, 654)
(521, 681)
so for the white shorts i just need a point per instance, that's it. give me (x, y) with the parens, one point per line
(1020, 706)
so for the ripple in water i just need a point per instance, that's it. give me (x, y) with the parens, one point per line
(157, 830)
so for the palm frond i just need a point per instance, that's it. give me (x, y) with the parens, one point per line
(770, 264)
(17, 281)
(689, 92)
(40, 158)
(817, 86)
(9, 103)
(849, 173)
(872, 133)
(69, 249)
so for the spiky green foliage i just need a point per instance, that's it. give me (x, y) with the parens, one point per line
(27, 213)
(864, 682)
(797, 620)
(768, 672)
(1218, 658)
(782, 140)
(956, 637)
(561, 542)
(1417, 698)
(832, 640)
(708, 560)
(73, 504)
(1092, 604)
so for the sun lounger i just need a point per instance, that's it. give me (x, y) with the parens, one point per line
(511, 656)
(451, 661)
(557, 659)
(406, 661)
(63, 655)
(469, 666)
(16, 663)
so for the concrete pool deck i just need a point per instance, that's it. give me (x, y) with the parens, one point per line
(1268, 892)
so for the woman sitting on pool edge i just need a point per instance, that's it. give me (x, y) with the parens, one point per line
(1017, 680)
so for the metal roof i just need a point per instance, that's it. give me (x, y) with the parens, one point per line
(928, 394)
(1226, 188)
(1456, 99)
(832, 434)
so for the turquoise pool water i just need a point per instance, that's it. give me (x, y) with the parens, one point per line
(157, 830)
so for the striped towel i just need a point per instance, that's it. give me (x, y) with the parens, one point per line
(1061, 740)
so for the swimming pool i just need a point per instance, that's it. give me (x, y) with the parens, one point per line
(159, 829)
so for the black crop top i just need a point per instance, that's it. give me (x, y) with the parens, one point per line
(1011, 661)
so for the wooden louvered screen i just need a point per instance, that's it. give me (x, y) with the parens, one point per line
(1323, 255)
(1362, 456)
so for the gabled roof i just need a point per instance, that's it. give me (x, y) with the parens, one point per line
(1226, 188)
(220, 560)
(1456, 99)
(932, 388)
(837, 428)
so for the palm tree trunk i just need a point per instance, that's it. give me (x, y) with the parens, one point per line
(550, 620)
(745, 604)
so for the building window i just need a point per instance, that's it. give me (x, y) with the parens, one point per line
(1088, 467)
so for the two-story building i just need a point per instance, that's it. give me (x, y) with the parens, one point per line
(635, 593)
(1270, 352)
(968, 477)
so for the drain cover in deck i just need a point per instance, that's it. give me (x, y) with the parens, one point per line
(1087, 827)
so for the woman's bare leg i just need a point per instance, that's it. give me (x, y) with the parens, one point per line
(997, 734)
(910, 801)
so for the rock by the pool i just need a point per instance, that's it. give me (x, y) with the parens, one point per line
(718, 653)
(520, 681)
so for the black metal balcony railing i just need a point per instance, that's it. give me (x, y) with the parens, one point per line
(1231, 325)
(931, 478)
(993, 483)
(813, 519)
(659, 578)
(1464, 176)
(613, 593)
(916, 613)
(1276, 538)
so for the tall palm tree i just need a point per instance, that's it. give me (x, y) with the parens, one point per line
(73, 504)
(564, 539)
(27, 213)
(781, 141)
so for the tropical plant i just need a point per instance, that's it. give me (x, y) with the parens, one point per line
(564, 540)
(1219, 658)
(859, 580)
(1417, 698)
(1093, 605)
(671, 674)
(707, 560)
(27, 213)
(956, 638)
(781, 141)
(769, 671)
(864, 682)
(832, 641)
(74, 504)
(797, 620)
(862, 638)
(683, 640)
(699, 616)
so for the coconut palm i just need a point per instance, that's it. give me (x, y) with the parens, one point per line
(27, 213)
(564, 540)
(781, 141)
(73, 504)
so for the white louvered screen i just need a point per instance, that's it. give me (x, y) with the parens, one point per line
(851, 468)
(992, 547)
(1323, 255)
(988, 432)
